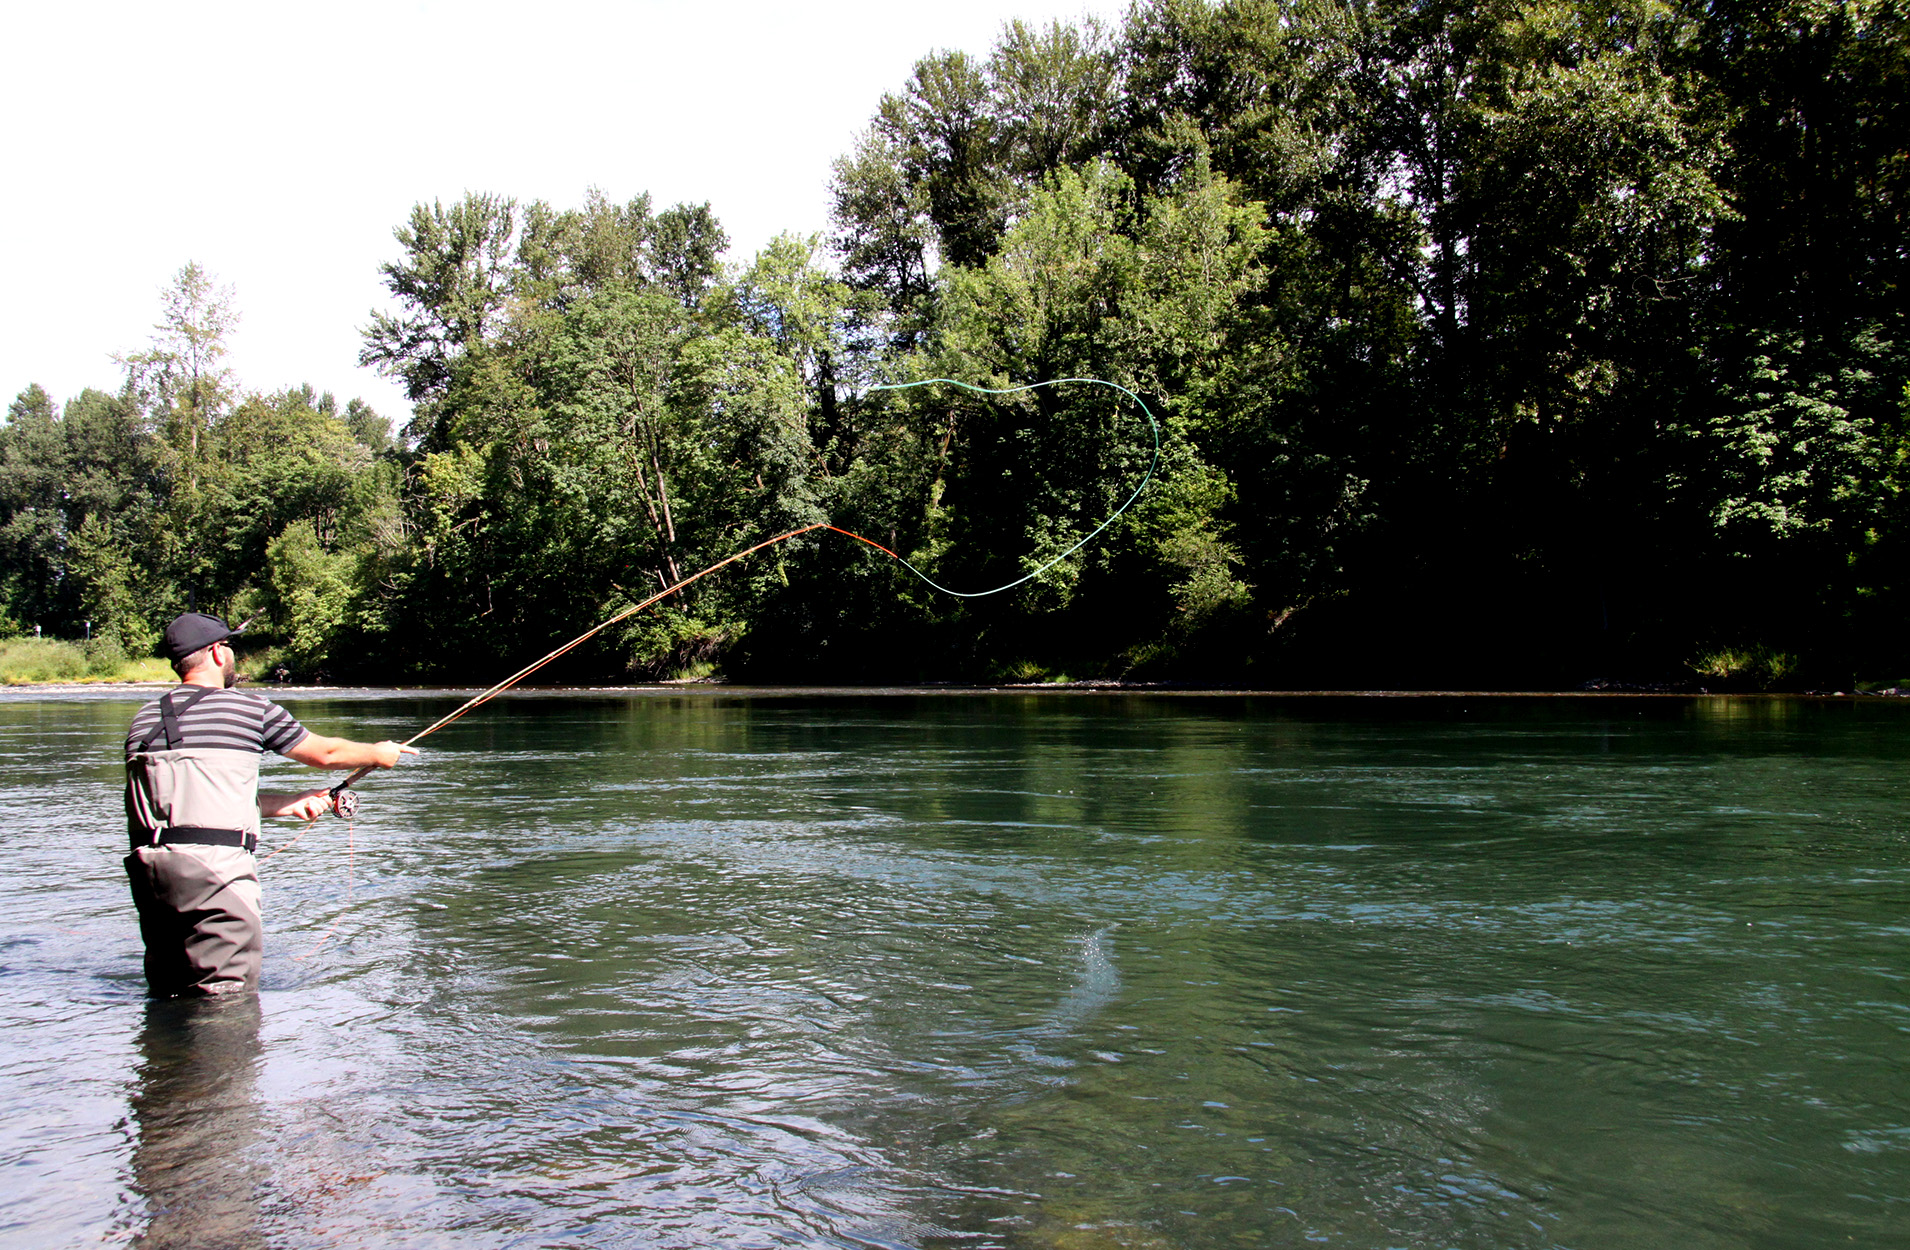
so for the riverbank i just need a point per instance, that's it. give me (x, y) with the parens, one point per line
(54, 661)
(724, 691)
(57, 663)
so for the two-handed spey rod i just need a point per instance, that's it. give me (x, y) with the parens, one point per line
(345, 800)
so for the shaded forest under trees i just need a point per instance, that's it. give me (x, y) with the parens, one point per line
(1498, 345)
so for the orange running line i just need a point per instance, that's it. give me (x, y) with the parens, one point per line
(859, 538)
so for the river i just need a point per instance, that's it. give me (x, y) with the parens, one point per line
(944, 969)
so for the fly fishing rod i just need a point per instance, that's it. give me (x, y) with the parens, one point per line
(345, 799)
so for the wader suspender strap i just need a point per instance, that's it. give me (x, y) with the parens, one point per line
(169, 717)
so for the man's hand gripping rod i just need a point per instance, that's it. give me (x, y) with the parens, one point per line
(345, 799)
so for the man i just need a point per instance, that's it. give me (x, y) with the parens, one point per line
(193, 808)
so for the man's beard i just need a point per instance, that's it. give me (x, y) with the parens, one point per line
(231, 671)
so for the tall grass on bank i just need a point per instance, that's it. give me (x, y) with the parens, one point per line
(25, 661)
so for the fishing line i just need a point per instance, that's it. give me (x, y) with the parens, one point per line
(1152, 425)
(351, 881)
(345, 802)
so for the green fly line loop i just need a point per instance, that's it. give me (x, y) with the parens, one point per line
(1152, 425)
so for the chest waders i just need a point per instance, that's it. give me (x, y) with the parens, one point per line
(204, 784)
(192, 819)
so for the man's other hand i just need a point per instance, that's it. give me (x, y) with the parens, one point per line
(308, 806)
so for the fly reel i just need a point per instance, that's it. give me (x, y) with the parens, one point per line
(345, 802)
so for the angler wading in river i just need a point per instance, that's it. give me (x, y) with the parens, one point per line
(193, 807)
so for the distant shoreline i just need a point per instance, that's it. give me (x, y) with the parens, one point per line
(719, 689)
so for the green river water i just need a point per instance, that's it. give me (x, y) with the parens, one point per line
(946, 969)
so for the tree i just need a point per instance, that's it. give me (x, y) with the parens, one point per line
(452, 286)
(1088, 283)
(111, 598)
(59, 473)
(179, 379)
(34, 524)
(1814, 100)
(282, 461)
(311, 588)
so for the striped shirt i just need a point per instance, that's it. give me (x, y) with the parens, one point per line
(231, 720)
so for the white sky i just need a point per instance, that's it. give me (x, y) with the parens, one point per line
(279, 145)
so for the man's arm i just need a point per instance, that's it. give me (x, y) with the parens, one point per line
(322, 752)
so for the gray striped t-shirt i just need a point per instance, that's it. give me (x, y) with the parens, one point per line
(232, 720)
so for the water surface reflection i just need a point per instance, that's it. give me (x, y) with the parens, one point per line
(198, 1128)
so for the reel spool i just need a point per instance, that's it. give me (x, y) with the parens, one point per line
(344, 802)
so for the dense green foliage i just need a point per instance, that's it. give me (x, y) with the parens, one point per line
(1508, 343)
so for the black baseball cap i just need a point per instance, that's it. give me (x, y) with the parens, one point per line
(190, 631)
